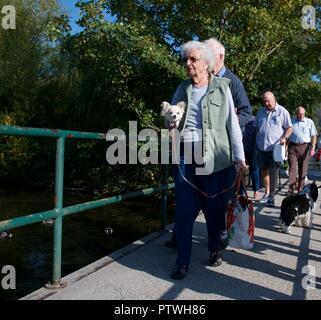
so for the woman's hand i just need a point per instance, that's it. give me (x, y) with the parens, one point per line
(240, 165)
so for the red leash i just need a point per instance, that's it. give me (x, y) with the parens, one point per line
(205, 194)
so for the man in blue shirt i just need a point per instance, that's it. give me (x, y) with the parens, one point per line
(273, 124)
(301, 146)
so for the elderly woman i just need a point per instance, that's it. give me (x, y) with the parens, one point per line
(209, 130)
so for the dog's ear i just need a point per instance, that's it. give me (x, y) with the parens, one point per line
(164, 107)
(182, 105)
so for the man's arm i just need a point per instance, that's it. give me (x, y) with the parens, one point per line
(313, 134)
(235, 134)
(313, 143)
(286, 135)
(240, 99)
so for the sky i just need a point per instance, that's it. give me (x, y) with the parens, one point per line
(74, 12)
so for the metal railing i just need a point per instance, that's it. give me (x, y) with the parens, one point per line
(60, 211)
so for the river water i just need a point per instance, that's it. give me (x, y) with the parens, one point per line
(30, 250)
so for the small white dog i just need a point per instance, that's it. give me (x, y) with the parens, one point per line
(173, 113)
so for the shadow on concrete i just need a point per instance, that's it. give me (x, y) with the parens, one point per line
(202, 279)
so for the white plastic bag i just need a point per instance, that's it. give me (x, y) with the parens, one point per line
(241, 225)
(240, 221)
(279, 153)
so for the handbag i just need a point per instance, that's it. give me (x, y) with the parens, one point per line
(240, 220)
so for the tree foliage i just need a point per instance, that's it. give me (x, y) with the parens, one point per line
(113, 72)
(25, 57)
(124, 72)
(28, 56)
(266, 44)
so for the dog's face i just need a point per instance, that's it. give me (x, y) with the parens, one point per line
(312, 191)
(173, 113)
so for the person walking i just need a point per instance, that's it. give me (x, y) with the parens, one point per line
(241, 101)
(209, 130)
(242, 106)
(301, 147)
(273, 124)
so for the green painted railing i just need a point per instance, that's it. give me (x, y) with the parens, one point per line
(60, 211)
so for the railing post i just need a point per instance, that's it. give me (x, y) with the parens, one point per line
(164, 197)
(59, 193)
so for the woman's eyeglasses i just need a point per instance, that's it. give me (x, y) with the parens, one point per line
(191, 59)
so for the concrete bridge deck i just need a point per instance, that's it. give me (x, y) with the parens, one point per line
(275, 269)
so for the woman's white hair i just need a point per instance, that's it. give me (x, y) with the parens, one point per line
(206, 53)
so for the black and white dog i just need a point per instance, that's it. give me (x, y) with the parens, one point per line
(298, 209)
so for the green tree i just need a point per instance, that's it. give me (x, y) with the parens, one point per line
(25, 56)
(111, 73)
(123, 71)
(126, 68)
(29, 66)
(266, 44)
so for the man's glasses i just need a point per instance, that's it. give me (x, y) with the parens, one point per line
(191, 59)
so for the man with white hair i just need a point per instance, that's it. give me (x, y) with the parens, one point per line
(243, 109)
(301, 146)
(240, 98)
